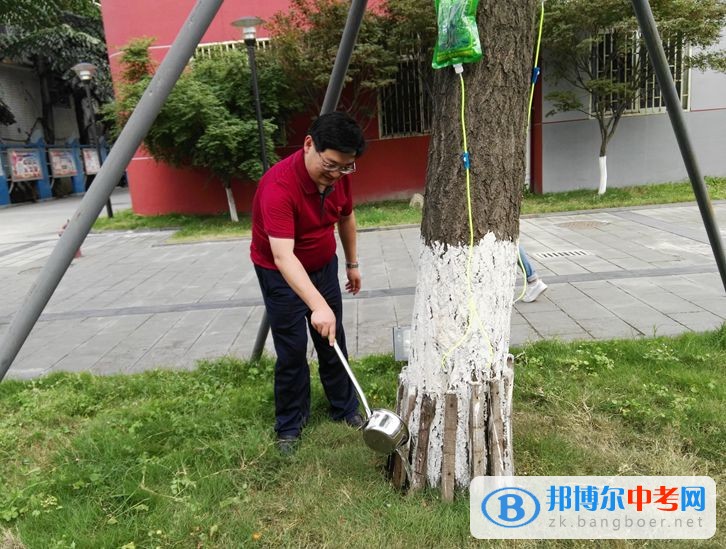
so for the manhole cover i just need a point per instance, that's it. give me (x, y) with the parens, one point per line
(564, 253)
(579, 225)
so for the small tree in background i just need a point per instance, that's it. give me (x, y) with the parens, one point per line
(209, 119)
(596, 49)
(306, 38)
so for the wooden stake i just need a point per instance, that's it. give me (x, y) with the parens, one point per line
(410, 406)
(448, 461)
(400, 400)
(508, 391)
(428, 409)
(495, 430)
(392, 458)
(478, 413)
(399, 473)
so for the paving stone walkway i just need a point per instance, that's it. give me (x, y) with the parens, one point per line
(134, 301)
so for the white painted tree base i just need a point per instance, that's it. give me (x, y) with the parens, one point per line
(232, 205)
(603, 175)
(475, 342)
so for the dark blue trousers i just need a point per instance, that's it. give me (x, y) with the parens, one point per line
(289, 318)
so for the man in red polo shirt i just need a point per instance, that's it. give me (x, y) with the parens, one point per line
(297, 203)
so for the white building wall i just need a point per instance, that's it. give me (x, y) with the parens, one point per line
(66, 125)
(20, 90)
(21, 93)
(643, 149)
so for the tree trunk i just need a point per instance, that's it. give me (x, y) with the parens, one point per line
(606, 133)
(230, 202)
(456, 390)
(48, 121)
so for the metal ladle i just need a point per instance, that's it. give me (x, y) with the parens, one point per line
(383, 431)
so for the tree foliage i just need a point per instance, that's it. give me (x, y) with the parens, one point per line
(306, 38)
(209, 119)
(30, 15)
(52, 36)
(69, 39)
(575, 29)
(411, 24)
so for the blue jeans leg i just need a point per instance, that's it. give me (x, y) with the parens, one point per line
(531, 274)
(289, 320)
(336, 383)
(287, 314)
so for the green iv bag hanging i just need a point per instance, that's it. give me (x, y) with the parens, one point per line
(458, 39)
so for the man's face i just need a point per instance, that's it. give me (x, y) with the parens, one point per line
(326, 167)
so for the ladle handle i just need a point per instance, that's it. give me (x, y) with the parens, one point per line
(358, 390)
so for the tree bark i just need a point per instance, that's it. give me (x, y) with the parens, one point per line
(460, 337)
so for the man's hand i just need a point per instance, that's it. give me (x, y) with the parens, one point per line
(353, 284)
(323, 320)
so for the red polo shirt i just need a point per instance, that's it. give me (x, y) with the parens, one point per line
(287, 204)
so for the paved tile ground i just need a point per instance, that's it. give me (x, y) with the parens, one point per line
(134, 302)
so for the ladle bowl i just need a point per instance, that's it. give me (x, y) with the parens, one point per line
(383, 431)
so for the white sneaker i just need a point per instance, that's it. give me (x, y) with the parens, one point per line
(533, 290)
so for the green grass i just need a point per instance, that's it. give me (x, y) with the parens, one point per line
(390, 213)
(186, 459)
(666, 193)
(188, 227)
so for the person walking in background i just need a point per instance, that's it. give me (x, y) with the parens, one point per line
(535, 286)
(297, 204)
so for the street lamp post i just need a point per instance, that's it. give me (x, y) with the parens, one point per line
(85, 73)
(249, 33)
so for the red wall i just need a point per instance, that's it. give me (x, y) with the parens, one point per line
(390, 168)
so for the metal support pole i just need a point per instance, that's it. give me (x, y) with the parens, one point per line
(330, 102)
(345, 51)
(121, 154)
(94, 136)
(665, 80)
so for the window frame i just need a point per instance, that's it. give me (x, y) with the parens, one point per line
(637, 48)
(418, 113)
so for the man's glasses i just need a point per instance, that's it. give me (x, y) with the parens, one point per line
(332, 167)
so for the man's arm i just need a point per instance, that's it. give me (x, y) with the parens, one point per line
(322, 318)
(348, 237)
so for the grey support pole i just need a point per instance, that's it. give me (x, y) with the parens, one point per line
(665, 80)
(345, 51)
(121, 154)
(332, 97)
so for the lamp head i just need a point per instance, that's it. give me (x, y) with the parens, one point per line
(249, 27)
(85, 71)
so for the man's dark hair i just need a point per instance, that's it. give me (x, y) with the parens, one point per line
(337, 131)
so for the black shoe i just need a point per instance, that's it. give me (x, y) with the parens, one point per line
(355, 421)
(287, 445)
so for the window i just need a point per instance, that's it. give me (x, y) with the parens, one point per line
(212, 49)
(404, 107)
(629, 64)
